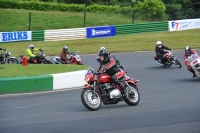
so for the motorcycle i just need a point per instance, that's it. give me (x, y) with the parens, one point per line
(170, 59)
(99, 89)
(41, 58)
(194, 61)
(6, 58)
(73, 59)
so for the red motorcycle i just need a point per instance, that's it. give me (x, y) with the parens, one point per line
(99, 89)
(73, 59)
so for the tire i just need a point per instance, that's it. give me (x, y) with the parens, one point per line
(12, 61)
(48, 62)
(132, 99)
(88, 102)
(177, 63)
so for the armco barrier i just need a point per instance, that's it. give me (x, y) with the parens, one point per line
(42, 83)
(65, 34)
(38, 35)
(142, 27)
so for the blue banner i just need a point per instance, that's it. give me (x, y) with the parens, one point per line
(104, 31)
(15, 36)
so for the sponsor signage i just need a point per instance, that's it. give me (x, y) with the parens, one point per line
(15, 36)
(184, 24)
(95, 32)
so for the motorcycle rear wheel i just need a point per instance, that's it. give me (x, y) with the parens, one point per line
(132, 99)
(12, 61)
(90, 103)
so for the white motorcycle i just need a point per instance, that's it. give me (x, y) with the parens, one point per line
(74, 58)
(194, 61)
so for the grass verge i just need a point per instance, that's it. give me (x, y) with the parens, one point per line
(17, 70)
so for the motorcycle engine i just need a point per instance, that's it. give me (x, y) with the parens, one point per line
(111, 91)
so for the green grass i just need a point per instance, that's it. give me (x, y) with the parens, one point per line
(122, 43)
(35, 69)
(17, 19)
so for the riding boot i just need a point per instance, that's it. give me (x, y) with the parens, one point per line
(192, 71)
(123, 91)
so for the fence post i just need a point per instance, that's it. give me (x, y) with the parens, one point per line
(84, 23)
(29, 22)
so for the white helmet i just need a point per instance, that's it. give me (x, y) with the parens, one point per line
(31, 46)
(159, 44)
(102, 48)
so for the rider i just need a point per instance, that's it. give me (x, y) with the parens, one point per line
(188, 52)
(117, 61)
(63, 55)
(30, 55)
(112, 69)
(159, 49)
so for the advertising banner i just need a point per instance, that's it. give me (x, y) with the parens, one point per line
(15, 36)
(184, 24)
(104, 31)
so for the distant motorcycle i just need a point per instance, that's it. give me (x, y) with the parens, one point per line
(170, 59)
(6, 58)
(194, 62)
(40, 59)
(73, 59)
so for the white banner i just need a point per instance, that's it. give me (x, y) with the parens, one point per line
(15, 36)
(183, 24)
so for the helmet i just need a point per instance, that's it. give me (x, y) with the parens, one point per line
(188, 50)
(159, 44)
(103, 53)
(31, 46)
(102, 48)
(65, 48)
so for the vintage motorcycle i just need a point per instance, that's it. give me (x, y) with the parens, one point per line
(6, 58)
(170, 59)
(74, 58)
(194, 61)
(99, 89)
(40, 59)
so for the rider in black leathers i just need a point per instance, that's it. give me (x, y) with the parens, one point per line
(160, 51)
(117, 61)
(112, 69)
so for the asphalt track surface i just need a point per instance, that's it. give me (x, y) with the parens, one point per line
(170, 103)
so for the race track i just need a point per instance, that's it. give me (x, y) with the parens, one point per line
(170, 103)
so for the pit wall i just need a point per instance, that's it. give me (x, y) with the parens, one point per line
(42, 83)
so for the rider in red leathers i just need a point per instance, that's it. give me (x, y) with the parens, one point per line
(188, 52)
(63, 55)
(112, 69)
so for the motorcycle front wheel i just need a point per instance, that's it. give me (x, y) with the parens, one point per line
(177, 63)
(132, 97)
(48, 62)
(91, 102)
(12, 61)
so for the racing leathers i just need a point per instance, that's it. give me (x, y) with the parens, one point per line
(189, 68)
(63, 56)
(116, 60)
(160, 51)
(115, 73)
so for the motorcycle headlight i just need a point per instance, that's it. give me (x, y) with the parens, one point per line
(78, 58)
(9, 53)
